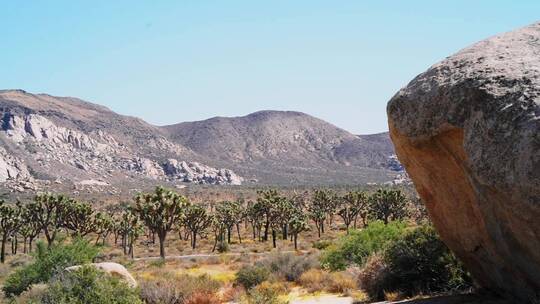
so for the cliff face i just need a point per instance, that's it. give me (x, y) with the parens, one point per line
(467, 131)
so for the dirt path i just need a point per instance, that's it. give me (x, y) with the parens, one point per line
(212, 255)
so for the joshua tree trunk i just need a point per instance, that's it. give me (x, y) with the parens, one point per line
(131, 251)
(254, 231)
(3, 250)
(30, 241)
(239, 236)
(50, 237)
(266, 230)
(194, 239)
(162, 235)
(14, 245)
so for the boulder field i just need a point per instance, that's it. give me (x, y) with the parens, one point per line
(468, 133)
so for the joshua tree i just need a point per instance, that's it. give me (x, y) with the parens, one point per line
(130, 228)
(196, 220)
(298, 222)
(266, 200)
(388, 204)
(279, 215)
(255, 216)
(78, 217)
(322, 204)
(230, 214)
(160, 211)
(10, 221)
(47, 210)
(219, 234)
(351, 205)
(103, 225)
(29, 229)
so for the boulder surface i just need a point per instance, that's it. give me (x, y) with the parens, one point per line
(114, 269)
(468, 133)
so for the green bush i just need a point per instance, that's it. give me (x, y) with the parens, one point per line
(48, 262)
(87, 285)
(419, 262)
(356, 247)
(251, 276)
(288, 266)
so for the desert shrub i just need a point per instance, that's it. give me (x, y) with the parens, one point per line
(419, 262)
(30, 296)
(314, 280)
(373, 277)
(341, 282)
(158, 263)
(222, 247)
(356, 247)
(87, 285)
(321, 244)
(263, 294)
(48, 262)
(288, 266)
(176, 289)
(319, 280)
(203, 298)
(251, 276)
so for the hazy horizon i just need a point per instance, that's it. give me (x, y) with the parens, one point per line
(171, 62)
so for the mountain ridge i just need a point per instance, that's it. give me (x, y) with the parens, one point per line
(87, 141)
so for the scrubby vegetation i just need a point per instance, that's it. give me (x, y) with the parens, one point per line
(47, 263)
(171, 288)
(87, 285)
(337, 242)
(414, 262)
(356, 247)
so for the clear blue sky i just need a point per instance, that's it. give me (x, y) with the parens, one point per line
(173, 61)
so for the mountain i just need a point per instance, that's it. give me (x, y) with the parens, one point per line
(285, 141)
(49, 142)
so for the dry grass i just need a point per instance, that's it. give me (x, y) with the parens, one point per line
(372, 277)
(342, 283)
(203, 298)
(168, 287)
(314, 280)
(392, 296)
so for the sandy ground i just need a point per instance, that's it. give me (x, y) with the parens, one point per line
(326, 299)
(299, 296)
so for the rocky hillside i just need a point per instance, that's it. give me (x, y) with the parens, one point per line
(59, 140)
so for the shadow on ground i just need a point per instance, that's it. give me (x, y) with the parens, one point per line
(459, 299)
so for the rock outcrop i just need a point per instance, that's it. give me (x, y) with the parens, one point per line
(468, 133)
(45, 138)
(11, 167)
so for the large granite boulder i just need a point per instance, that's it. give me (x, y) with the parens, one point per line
(468, 133)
